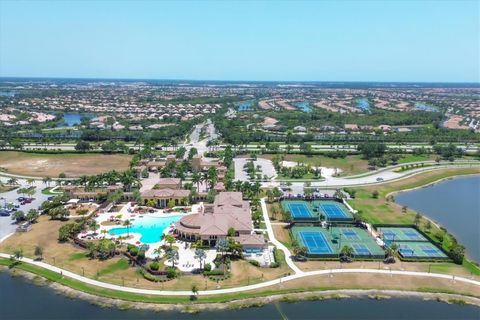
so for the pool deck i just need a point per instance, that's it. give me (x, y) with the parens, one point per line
(186, 261)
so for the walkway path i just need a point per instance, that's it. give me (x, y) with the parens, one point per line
(244, 288)
(272, 238)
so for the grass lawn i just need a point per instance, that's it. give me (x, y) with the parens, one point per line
(350, 165)
(51, 165)
(416, 158)
(48, 191)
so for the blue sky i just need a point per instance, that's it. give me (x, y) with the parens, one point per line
(435, 41)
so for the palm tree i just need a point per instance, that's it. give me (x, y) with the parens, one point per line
(200, 255)
(94, 226)
(13, 181)
(104, 232)
(157, 252)
(127, 224)
(172, 254)
(197, 178)
(30, 181)
(170, 240)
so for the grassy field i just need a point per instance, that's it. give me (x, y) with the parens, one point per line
(349, 165)
(51, 165)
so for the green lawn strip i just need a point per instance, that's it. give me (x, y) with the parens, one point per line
(47, 191)
(77, 285)
(471, 266)
(121, 264)
(77, 256)
(6, 188)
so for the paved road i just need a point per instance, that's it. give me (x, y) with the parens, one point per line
(386, 175)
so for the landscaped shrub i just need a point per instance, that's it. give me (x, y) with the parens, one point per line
(133, 251)
(154, 266)
(171, 273)
(141, 255)
(207, 267)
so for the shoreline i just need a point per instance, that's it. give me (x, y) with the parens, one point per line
(192, 307)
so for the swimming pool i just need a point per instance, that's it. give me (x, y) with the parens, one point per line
(150, 228)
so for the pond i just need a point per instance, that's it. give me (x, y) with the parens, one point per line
(9, 94)
(363, 104)
(424, 107)
(455, 205)
(245, 105)
(303, 106)
(71, 119)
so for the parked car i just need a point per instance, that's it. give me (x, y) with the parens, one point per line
(4, 213)
(379, 179)
(20, 199)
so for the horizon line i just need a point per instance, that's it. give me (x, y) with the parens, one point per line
(248, 81)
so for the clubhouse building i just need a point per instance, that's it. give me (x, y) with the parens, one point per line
(213, 222)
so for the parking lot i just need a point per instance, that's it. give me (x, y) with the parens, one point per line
(7, 226)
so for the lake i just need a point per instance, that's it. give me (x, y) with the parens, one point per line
(245, 105)
(71, 119)
(455, 205)
(21, 299)
(9, 94)
(424, 107)
(363, 104)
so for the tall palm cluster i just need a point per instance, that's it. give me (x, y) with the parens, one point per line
(127, 178)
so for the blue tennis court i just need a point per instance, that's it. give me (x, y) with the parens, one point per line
(315, 242)
(299, 210)
(333, 211)
(431, 251)
(350, 234)
(361, 249)
(412, 234)
(406, 251)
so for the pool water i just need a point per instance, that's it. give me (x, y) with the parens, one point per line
(150, 228)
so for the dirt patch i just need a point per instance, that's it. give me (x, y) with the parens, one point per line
(51, 165)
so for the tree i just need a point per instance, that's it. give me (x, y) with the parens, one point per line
(457, 252)
(47, 181)
(200, 255)
(172, 255)
(194, 292)
(231, 232)
(18, 216)
(127, 224)
(197, 178)
(12, 181)
(38, 252)
(404, 209)
(82, 146)
(375, 194)
(94, 226)
(17, 255)
(32, 215)
(170, 240)
(346, 253)
(417, 219)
